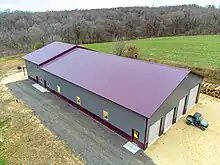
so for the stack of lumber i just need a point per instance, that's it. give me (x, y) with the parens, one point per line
(210, 89)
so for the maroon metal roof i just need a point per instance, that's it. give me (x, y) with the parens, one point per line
(47, 52)
(137, 85)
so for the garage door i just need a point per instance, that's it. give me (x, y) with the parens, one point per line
(154, 132)
(168, 120)
(181, 108)
(192, 97)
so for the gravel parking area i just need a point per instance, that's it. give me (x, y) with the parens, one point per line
(96, 144)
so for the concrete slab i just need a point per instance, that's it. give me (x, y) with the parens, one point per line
(40, 88)
(131, 147)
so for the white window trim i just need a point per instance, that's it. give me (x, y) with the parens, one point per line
(58, 87)
(104, 115)
(78, 97)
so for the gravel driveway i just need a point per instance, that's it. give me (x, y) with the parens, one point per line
(96, 144)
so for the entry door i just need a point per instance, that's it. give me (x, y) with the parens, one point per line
(154, 132)
(181, 108)
(135, 135)
(168, 120)
(192, 96)
(37, 79)
(45, 84)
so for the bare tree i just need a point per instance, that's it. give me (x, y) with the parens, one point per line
(19, 30)
(119, 48)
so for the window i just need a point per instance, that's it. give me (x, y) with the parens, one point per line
(78, 100)
(58, 89)
(135, 135)
(105, 115)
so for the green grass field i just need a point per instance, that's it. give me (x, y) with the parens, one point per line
(197, 51)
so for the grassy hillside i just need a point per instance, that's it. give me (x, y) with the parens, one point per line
(196, 51)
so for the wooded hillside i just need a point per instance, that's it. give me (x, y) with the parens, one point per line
(23, 30)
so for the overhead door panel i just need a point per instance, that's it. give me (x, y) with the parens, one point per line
(168, 120)
(192, 97)
(181, 107)
(154, 132)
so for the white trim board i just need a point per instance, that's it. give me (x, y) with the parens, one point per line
(40, 88)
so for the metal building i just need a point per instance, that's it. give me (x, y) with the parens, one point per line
(136, 99)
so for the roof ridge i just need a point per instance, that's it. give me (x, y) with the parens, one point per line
(57, 56)
(142, 61)
(47, 52)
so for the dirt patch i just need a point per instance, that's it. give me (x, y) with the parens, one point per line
(184, 144)
(23, 138)
(13, 76)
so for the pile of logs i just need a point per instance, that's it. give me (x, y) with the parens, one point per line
(210, 89)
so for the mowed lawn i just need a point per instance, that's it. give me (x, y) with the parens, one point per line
(198, 51)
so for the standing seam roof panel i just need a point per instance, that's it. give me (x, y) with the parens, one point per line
(47, 52)
(134, 84)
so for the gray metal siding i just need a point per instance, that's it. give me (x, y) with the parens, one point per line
(173, 100)
(32, 69)
(118, 116)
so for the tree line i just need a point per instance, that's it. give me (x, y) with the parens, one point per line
(23, 30)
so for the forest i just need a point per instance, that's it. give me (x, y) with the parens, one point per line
(21, 31)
